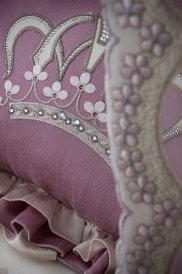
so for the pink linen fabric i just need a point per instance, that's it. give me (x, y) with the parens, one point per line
(51, 158)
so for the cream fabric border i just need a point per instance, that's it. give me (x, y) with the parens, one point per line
(147, 117)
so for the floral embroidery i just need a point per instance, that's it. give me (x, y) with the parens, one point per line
(166, 213)
(83, 84)
(36, 75)
(149, 237)
(10, 88)
(136, 68)
(130, 131)
(126, 100)
(138, 262)
(155, 39)
(96, 111)
(55, 92)
(129, 13)
(142, 190)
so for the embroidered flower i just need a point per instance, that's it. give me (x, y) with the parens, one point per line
(83, 84)
(97, 110)
(128, 132)
(142, 190)
(36, 75)
(132, 162)
(166, 213)
(149, 237)
(129, 13)
(155, 39)
(136, 68)
(139, 262)
(55, 92)
(125, 100)
(10, 89)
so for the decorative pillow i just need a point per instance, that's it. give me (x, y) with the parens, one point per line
(58, 197)
(143, 66)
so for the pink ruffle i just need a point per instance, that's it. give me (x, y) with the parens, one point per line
(37, 224)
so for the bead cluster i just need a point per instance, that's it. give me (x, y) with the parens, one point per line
(104, 36)
(171, 133)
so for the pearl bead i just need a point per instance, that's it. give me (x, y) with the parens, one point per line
(40, 113)
(68, 121)
(11, 110)
(107, 151)
(26, 110)
(95, 139)
(81, 128)
(54, 116)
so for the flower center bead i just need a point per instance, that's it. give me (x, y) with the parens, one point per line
(35, 78)
(54, 95)
(81, 87)
(8, 93)
(95, 114)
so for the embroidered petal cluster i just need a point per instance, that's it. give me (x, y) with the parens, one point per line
(155, 39)
(128, 132)
(138, 262)
(149, 237)
(132, 162)
(129, 13)
(36, 75)
(142, 190)
(10, 88)
(125, 100)
(166, 213)
(83, 83)
(55, 92)
(96, 110)
(136, 69)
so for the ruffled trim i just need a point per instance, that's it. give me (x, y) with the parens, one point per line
(41, 227)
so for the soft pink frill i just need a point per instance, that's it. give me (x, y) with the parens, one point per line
(40, 226)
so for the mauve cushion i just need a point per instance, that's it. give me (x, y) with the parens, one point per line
(50, 157)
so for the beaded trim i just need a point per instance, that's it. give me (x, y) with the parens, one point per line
(21, 25)
(64, 120)
(45, 52)
(176, 129)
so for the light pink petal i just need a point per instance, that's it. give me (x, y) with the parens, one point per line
(36, 69)
(102, 117)
(85, 78)
(56, 87)
(42, 76)
(141, 60)
(1, 99)
(15, 89)
(100, 106)
(129, 60)
(74, 80)
(89, 88)
(63, 94)
(8, 85)
(28, 75)
(47, 91)
(89, 107)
